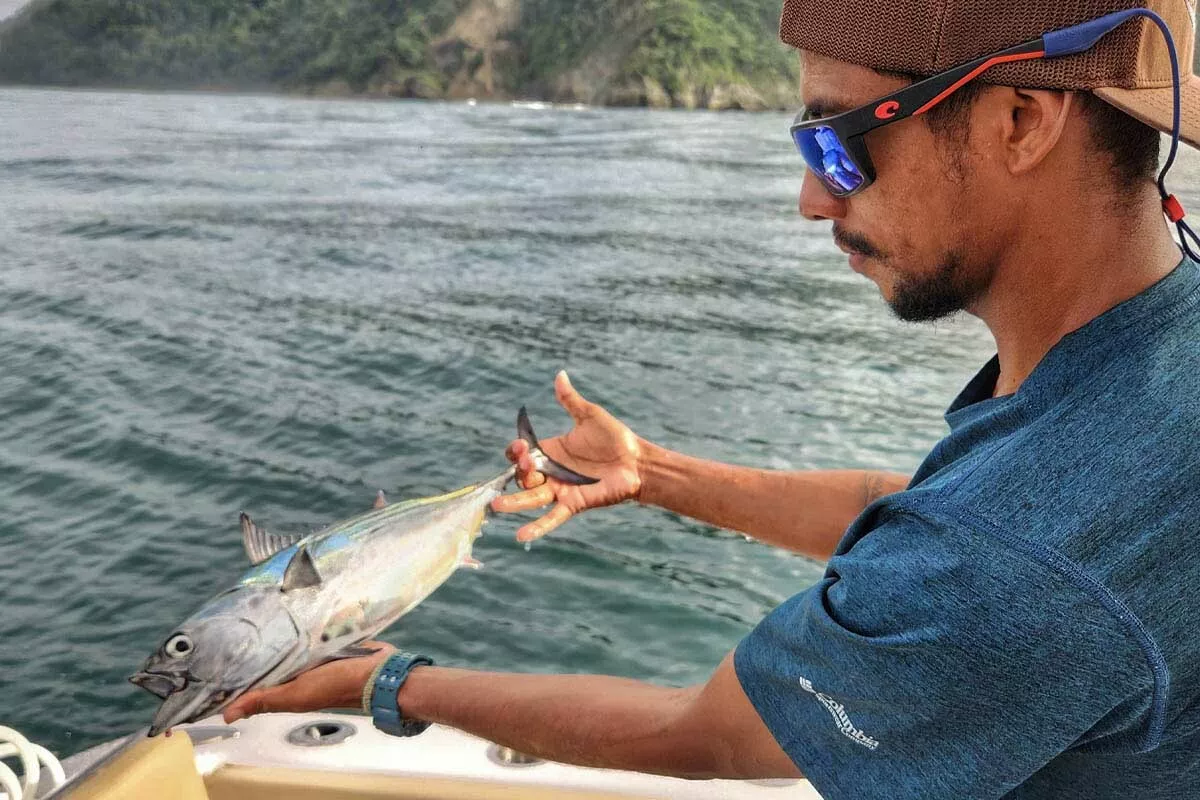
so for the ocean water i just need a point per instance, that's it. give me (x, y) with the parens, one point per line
(213, 303)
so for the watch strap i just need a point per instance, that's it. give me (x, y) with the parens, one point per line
(384, 689)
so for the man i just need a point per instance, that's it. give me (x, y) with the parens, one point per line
(1018, 618)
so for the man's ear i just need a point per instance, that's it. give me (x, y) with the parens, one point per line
(1032, 125)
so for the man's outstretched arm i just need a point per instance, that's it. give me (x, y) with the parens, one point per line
(807, 512)
(705, 731)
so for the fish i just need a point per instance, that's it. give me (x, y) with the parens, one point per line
(310, 599)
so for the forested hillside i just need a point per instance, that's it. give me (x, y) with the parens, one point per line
(706, 53)
(690, 53)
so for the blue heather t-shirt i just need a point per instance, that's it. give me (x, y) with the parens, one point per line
(1024, 620)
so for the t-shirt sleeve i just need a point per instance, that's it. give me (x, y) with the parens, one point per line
(936, 662)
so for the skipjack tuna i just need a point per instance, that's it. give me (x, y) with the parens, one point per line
(313, 598)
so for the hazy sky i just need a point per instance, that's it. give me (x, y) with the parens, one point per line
(9, 6)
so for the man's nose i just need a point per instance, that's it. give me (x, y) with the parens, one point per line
(816, 203)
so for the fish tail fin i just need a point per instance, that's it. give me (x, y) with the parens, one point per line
(544, 463)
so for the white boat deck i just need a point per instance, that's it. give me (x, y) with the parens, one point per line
(262, 741)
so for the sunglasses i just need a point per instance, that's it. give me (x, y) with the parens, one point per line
(834, 147)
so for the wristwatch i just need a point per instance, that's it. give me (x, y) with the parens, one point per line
(379, 695)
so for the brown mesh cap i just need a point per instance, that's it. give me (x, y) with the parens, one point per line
(1129, 68)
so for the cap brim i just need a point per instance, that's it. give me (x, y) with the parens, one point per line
(1156, 107)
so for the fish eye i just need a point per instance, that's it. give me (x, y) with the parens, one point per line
(178, 645)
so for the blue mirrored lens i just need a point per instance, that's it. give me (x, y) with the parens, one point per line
(826, 156)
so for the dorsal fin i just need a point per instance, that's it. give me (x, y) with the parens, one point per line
(261, 545)
(301, 572)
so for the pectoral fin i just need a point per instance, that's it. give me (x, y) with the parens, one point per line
(301, 572)
(471, 563)
(380, 500)
(261, 545)
(352, 651)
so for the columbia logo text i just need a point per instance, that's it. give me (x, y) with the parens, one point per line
(838, 712)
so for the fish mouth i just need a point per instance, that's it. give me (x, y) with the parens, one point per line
(185, 699)
(160, 684)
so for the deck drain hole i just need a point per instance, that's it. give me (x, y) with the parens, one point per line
(507, 757)
(321, 734)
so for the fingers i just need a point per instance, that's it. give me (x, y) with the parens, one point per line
(334, 684)
(534, 498)
(542, 526)
(527, 474)
(257, 701)
(571, 400)
(516, 449)
(524, 501)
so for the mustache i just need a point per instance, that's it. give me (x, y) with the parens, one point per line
(856, 242)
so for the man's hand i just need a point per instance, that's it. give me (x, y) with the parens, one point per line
(338, 684)
(599, 445)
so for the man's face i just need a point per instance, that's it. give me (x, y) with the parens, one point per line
(926, 230)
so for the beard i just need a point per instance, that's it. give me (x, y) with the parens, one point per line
(951, 288)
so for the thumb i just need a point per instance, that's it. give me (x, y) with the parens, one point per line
(571, 400)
